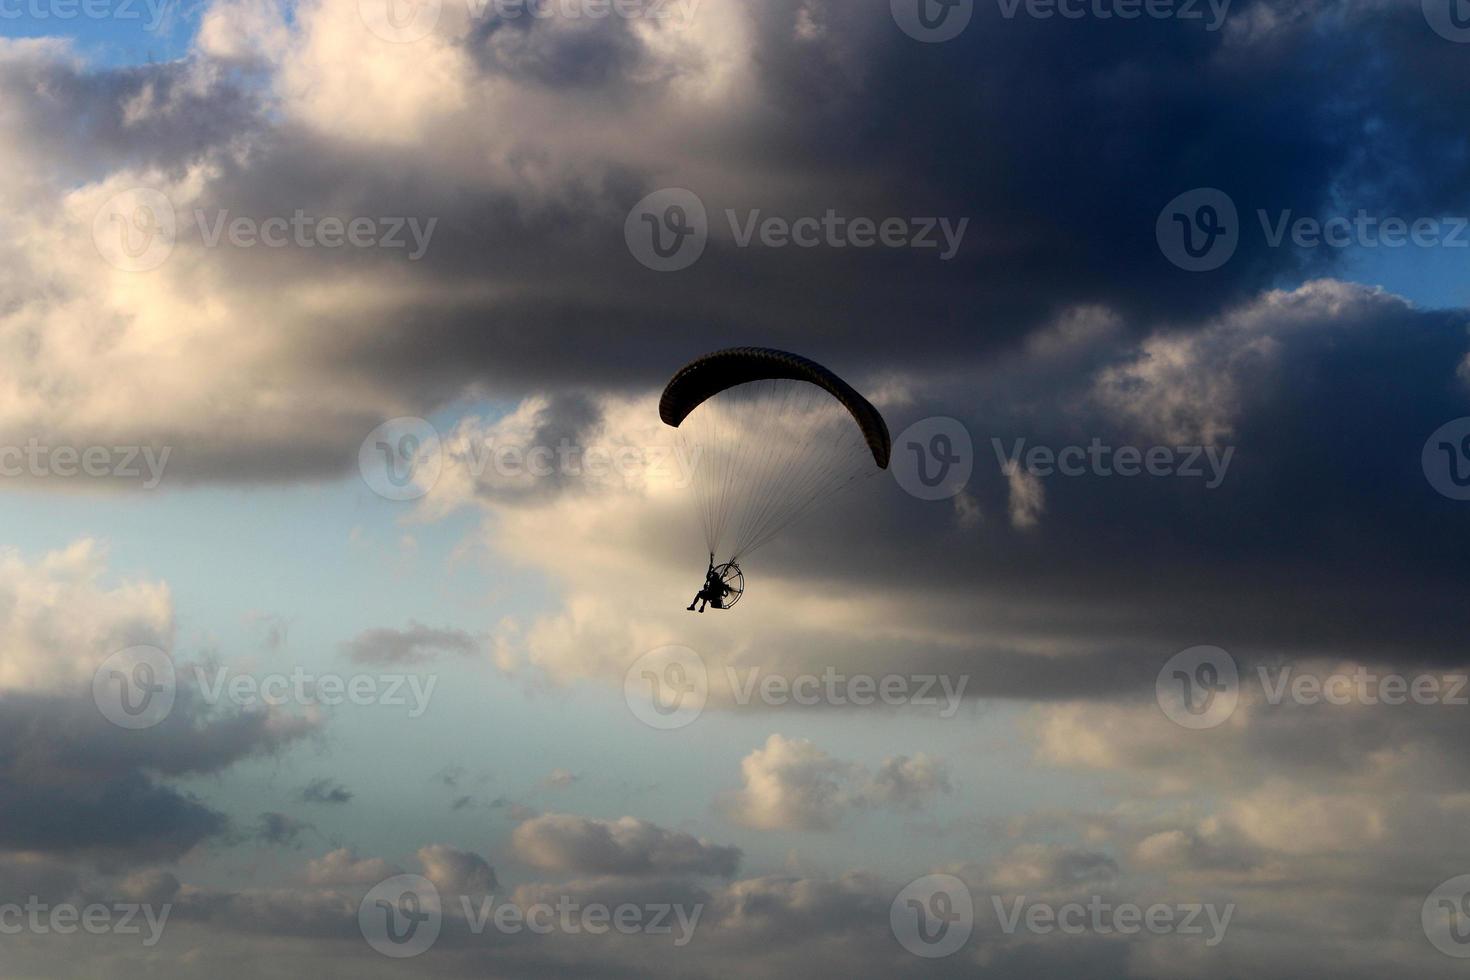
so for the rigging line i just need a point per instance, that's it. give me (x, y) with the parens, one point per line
(773, 451)
(855, 478)
(786, 470)
(842, 459)
(825, 458)
(767, 445)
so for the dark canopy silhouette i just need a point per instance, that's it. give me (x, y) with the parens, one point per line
(719, 372)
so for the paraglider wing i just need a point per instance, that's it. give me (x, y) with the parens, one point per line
(771, 435)
(719, 372)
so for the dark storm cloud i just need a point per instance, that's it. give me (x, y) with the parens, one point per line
(1322, 537)
(1059, 140)
(588, 55)
(87, 123)
(72, 783)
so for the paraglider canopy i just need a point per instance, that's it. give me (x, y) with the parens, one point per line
(771, 434)
(716, 373)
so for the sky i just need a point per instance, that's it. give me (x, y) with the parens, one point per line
(1164, 310)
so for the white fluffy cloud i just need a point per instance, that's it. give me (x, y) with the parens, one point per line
(791, 784)
(627, 846)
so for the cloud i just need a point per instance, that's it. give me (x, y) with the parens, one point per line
(456, 872)
(344, 867)
(280, 830)
(324, 790)
(790, 784)
(70, 781)
(1028, 497)
(627, 846)
(417, 644)
(1117, 575)
(528, 285)
(560, 778)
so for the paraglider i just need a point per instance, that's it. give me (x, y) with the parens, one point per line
(772, 434)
